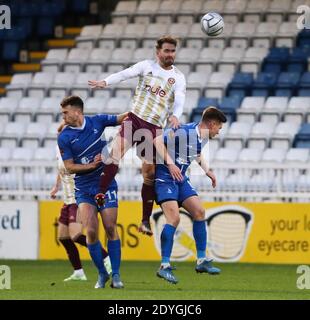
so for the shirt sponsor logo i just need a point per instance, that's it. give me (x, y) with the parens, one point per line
(157, 91)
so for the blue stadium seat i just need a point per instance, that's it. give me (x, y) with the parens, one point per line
(14, 7)
(26, 24)
(287, 84)
(304, 82)
(10, 51)
(240, 84)
(304, 85)
(53, 8)
(302, 144)
(203, 102)
(45, 26)
(298, 60)
(80, 6)
(276, 60)
(303, 38)
(303, 92)
(264, 84)
(274, 67)
(229, 105)
(30, 9)
(302, 138)
(17, 33)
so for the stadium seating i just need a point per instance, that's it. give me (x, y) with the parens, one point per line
(256, 71)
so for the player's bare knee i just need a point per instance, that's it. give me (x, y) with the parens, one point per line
(174, 220)
(111, 232)
(199, 214)
(92, 235)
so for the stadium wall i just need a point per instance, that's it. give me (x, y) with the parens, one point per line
(244, 232)
(19, 230)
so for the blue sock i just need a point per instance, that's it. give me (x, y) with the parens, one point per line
(95, 251)
(200, 236)
(166, 238)
(114, 249)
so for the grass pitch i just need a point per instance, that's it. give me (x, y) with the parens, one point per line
(44, 280)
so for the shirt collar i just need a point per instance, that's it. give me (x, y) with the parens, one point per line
(81, 127)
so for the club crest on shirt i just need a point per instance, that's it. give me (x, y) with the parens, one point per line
(171, 80)
(84, 160)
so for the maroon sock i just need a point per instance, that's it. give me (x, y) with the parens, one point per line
(148, 197)
(109, 172)
(72, 252)
(81, 239)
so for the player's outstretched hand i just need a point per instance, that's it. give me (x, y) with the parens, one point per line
(94, 84)
(174, 122)
(211, 175)
(175, 172)
(53, 192)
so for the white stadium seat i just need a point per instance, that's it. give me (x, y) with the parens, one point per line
(260, 134)
(18, 85)
(40, 84)
(250, 109)
(89, 36)
(273, 109)
(27, 108)
(53, 60)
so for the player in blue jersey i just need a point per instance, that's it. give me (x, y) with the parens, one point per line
(178, 148)
(80, 145)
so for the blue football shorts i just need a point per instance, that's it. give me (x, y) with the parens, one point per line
(88, 196)
(173, 190)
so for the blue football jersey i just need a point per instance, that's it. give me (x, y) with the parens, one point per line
(184, 145)
(84, 143)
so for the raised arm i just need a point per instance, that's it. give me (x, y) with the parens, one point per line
(117, 77)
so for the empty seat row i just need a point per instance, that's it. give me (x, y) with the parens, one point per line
(242, 34)
(190, 10)
(48, 109)
(265, 84)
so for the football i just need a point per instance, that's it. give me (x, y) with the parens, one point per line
(212, 24)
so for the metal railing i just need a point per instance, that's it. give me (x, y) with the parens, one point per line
(235, 181)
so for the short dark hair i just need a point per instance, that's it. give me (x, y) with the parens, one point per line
(74, 101)
(165, 39)
(213, 113)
